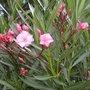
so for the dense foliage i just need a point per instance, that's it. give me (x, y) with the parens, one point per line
(44, 45)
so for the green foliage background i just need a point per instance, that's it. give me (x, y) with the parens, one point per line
(58, 68)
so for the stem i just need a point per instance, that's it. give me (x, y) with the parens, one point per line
(40, 52)
(69, 70)
(15, 61)
(70, 36)
(50, 62)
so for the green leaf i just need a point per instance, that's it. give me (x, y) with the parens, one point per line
(51, 4)
(22, 17)
(81, 6)
(5, 63)
(65, 73)
(3, 24)
(35, 84)
(79, 52)
(60, 83)
(45, 77)
(65, 53)
(52, 16)
(72, 6)
(40, 4)
(4, 10)
(39, 22)
(6, 84)
(84, 55)
(31, 8)
(79, 86)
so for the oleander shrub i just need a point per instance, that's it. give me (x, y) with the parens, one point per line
(45, 45)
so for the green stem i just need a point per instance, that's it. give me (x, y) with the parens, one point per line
(69, 71)
(50, 63)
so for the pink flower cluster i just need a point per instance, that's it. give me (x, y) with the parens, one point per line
(23, 71)
(82, 25)
(8, 37)
(61, 8)
(23, 39)
(20, 29)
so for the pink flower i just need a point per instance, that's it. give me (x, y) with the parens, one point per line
(62, 8)
(23, 71)
(9, 39)
(10, 33)
(22, 60)
(25, 27)
(46, 39)
(24, 39)
(6, 38)
(83, 25)
(38, 31)
(1, 37)
(18, 27)
(10, 36)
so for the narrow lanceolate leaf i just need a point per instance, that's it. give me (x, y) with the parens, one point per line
(35, 84)
(60, 83)
(81, 6)
(65, 74)
(39, 23)
(45, 4)
(51, 4)
(52, 16)
(72, 6)
(7, 84)
(82, 57)
(43, 77)
(4, 9)
(3, 24)
(22, 16)
(79, 86)
(31, 8)
(79, 52)
(5, 63)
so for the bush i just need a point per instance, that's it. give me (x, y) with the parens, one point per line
(44, 45)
